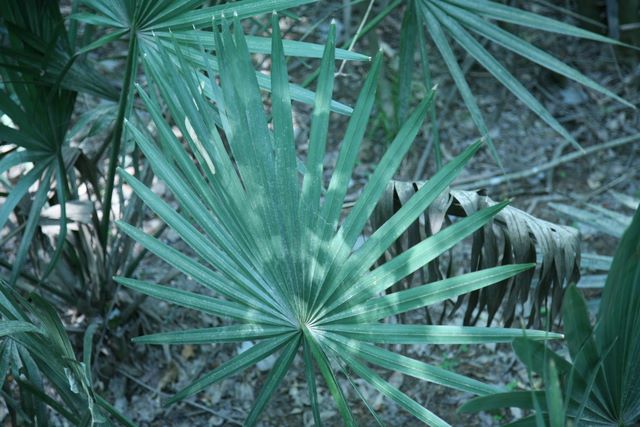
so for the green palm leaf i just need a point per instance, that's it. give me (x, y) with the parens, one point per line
(40, 113)
(270, 246)
(386, 333)
(475, 49)
(155, 24)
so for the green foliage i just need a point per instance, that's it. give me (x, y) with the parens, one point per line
(468, 23)
(618, 324)
(39, 370)
(41, 112)
(279, 259)
(44, 67)
(148, 24)
(601, 384)
(270, 245)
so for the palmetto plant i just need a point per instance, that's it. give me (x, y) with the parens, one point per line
(272, 253)
(601, 384)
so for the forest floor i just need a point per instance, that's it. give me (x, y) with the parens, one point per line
(145, 375)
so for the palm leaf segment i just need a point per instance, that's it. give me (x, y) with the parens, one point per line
(271, 247)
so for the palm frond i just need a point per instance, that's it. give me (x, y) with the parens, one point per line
(281, 265)
(512, 236)
(185, 25)
(39, 115)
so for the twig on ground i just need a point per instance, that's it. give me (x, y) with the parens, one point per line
(422, 162)
(557, 153)
(611, 184)
(487, 181)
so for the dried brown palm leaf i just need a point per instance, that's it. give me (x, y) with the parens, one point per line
(597, 219)
(513, 236)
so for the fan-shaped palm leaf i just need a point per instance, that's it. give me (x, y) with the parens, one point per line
(153, 23)
(271, 248)
(38, 118)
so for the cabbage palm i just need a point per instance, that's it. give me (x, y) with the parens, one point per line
(272, 253)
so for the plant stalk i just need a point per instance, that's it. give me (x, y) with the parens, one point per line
(103, 231)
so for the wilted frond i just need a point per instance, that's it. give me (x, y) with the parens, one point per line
(512, 236)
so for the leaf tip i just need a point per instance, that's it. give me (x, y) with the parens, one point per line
(503, 204)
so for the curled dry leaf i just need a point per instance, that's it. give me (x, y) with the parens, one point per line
(513, 236)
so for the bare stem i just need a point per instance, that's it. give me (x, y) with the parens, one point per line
(132, 57)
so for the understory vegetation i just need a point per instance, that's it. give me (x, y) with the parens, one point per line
(292, 212)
